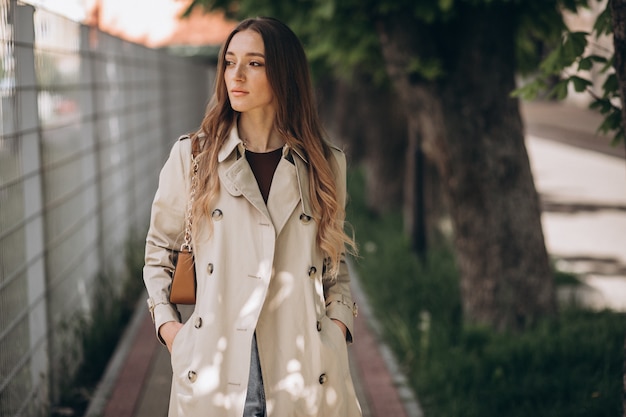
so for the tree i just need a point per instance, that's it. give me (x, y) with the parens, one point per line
(455, 81)
(453, 66)
(618, 13)
(571, 62)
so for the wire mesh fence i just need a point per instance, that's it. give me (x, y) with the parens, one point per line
(87, 121)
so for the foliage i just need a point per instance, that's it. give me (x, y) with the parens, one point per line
(338, 36)
(570, 365)
(571, 63)
(341, 36)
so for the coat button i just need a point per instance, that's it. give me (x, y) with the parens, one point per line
(209, 268)
(197, 322)
(319, 326)
(304, 218)
(323, 379)
(217, 214)
(192, 376)
(312, 271)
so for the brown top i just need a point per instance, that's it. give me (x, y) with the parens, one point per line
(263, 166)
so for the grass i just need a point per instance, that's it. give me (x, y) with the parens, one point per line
(570, 365)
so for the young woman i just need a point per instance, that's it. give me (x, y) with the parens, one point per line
(273, 312)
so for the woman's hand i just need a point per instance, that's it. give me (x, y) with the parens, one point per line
(168, 332)
(342, 326)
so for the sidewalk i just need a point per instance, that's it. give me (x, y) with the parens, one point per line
(581, 180)
(585, 229)
(137, 381)
(570, 125)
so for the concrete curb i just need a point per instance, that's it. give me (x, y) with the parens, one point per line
(406, 394)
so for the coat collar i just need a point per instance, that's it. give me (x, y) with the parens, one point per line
(289, 186)
(235, 142)
(232, 142)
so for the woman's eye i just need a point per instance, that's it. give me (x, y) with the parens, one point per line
(229, 63)
(256, 64)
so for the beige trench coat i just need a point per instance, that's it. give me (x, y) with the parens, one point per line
(261, 270)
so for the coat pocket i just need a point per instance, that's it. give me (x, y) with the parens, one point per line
(338, 348)
(180, 359)
(338, 396)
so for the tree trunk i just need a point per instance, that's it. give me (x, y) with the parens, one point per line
(473, 132)
(618, 21)
(414, 183)
(618, 16)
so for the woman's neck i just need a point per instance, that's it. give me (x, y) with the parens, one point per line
(258, 133)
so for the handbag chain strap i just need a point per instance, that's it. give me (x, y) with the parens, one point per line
(192, 195)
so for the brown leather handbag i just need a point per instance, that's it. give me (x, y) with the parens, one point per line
(183, 289)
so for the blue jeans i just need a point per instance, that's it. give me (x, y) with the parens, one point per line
(255, 398)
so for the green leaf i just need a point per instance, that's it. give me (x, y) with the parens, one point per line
(612, 122)
(580, 84)
(619, 137)
(603, 24)
(566, 53)
(599, 59)
(553, 62)
(585, 64)
(559, 90)
(529, 91)
(603, 105)
(608, 65)
(610, 85)
(573, 47)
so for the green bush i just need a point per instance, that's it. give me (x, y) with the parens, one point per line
(570, 365)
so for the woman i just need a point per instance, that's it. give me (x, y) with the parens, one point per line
(274, 311)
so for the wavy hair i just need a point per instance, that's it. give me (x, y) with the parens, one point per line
(296, 121)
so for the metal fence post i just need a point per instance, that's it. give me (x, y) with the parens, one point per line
(28, 126)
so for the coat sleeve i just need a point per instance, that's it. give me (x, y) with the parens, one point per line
(165, 233)
(339, 304)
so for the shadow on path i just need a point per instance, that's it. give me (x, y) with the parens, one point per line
(552, 206)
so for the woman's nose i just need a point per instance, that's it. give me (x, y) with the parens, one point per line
(239, 72)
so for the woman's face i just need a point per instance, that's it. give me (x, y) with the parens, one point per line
(245, 76)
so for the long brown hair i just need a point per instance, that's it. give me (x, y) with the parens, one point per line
(296, 121)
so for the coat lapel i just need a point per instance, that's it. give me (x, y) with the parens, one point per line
(302, 173)
(284, 194)
(239, 179)
(290, 183)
